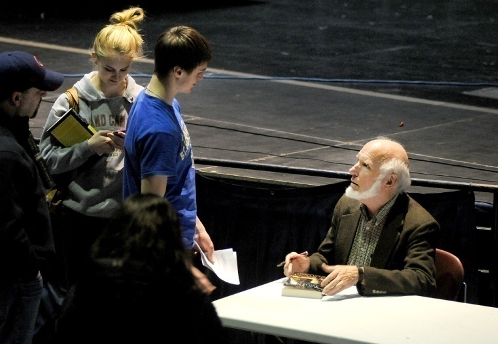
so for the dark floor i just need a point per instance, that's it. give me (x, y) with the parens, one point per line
(307, 83)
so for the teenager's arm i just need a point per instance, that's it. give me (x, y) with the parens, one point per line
(155, 185)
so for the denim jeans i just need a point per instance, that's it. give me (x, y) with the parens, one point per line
(19, 303)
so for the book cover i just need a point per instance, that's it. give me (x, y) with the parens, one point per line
(303, 285)
(71, 129)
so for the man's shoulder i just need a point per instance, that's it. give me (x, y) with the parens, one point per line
(13, 157)
(9, 143)
(412, 203)
(347, 204)
(151, 110)
(415, 210)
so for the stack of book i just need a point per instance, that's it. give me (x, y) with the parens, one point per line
(303, 285)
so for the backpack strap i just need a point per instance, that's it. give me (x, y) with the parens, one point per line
(72, 97)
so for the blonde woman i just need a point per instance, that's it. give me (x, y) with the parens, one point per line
(92, 169)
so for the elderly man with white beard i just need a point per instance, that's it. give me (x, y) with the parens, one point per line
(380, 239)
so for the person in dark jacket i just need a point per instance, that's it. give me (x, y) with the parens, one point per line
(26, 240)
(138, 285)
(380, 238)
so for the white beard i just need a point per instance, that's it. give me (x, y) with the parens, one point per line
(373, 191)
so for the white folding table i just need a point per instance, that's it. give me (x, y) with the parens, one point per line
(358, 319)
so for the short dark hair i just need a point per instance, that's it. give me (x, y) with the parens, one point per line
(180, 46)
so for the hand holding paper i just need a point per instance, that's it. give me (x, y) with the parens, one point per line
(225, 264)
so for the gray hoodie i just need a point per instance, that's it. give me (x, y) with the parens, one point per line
(95, 182)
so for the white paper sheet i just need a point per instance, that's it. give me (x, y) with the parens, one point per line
(225, 264)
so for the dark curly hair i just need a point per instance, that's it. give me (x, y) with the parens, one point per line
(144, 238)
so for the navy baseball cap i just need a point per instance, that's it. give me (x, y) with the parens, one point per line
(23, 70)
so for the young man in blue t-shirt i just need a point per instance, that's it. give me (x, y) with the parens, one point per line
(158, 151)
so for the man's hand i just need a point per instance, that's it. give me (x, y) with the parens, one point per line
(202, 281)
(204, 240)
(296, 262)
(339, 277)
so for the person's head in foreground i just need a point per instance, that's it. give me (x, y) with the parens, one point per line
(138, 282)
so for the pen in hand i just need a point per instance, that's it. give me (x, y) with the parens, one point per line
(305, 253)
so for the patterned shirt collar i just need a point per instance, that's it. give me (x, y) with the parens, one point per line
(367, 234)
(381, 216)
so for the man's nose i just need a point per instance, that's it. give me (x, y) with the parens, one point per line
(352, 170)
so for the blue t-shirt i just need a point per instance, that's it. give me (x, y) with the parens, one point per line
(157, 143)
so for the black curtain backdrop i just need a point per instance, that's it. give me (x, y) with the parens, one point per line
(455, 213)
(263, 222)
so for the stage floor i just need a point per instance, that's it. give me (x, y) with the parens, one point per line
(306, 85)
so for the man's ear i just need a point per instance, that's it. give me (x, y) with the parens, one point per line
(392, 180)
(178, 71)
(16, 98)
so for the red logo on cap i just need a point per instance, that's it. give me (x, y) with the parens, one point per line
(38, 61)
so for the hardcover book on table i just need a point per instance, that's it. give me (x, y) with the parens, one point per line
(303, 285)
(71, 129)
